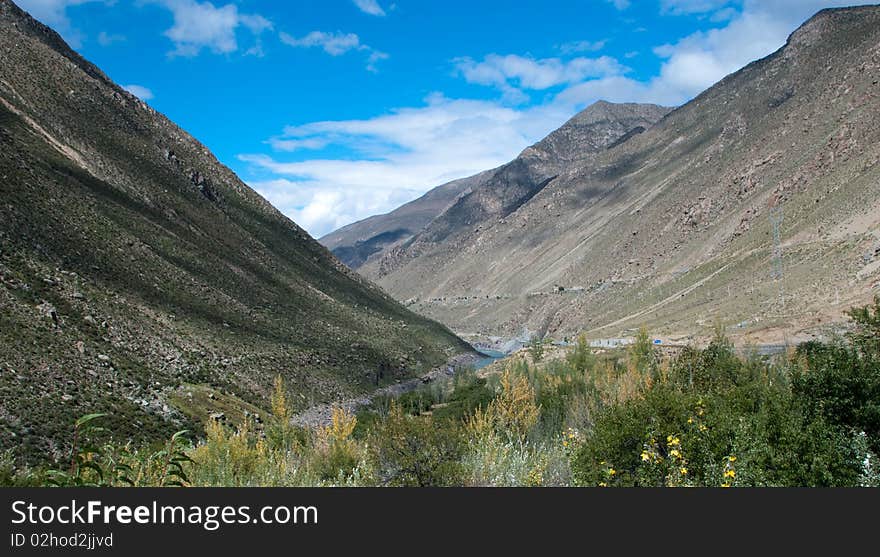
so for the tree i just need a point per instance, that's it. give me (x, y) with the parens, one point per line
(866, 334)
(536, 349)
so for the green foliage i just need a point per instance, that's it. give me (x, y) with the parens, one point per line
(841, 386)
(642, 354)
(417, 451)
(581, 357)
(470, 392)
(867, 326)
(109, 465)
(627, 418)
(536, 349)
(741, 422)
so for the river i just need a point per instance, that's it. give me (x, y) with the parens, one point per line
(489, 356)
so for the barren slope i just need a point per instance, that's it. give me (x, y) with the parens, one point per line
(672, 228)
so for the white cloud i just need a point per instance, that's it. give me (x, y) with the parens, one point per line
(620, 4)
(371, 7)
(374, 58)
(54, 14)
(535, 74)
(575, 47)
(395, 157)
(701, 59)
(290, 145)
(336, 44)
(679, 7)
(107, 39)
(202, 25)
(139, 91)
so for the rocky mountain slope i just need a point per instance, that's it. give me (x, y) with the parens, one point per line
(497, 193)
(141, 278)
(370, 238)
(756, 205)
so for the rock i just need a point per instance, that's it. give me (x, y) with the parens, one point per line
(88, 319)
(78, 296)
(217, 416)
(103, 357)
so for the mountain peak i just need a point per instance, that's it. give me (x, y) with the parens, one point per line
(598, 127)
(605, 110)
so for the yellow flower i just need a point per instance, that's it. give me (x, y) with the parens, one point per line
(675, 452)
(731, 458)
(646, 456)
(611, 471)
(603, 484)
(690, 420)
(725, 484)
(683, 471)
(730, 474)
(703, 428)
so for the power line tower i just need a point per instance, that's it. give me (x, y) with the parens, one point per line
(776, 273)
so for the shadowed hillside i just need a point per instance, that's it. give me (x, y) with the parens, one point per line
(133, 263)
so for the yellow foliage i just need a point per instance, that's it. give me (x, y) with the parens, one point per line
(341, 427)
(617, 388)
(513, 412)
(481, 424)
(231, 455)
(278, 400)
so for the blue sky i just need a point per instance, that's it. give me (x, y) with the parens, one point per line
(336, 110)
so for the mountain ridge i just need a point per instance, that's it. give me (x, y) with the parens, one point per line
(366, 243)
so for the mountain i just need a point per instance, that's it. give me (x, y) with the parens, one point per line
(356, 243)
(596, 129)
(756, 205)
(140, 277)
(362, 245)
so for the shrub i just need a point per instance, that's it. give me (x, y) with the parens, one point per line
(512, 413)
(336, 453)
(536, 349)
(416, 451)
(581, 358)
(842, 386)
(281, 434)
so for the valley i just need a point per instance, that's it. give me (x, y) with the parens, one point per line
(649, 296)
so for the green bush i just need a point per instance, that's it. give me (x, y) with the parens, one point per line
(417, 451)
